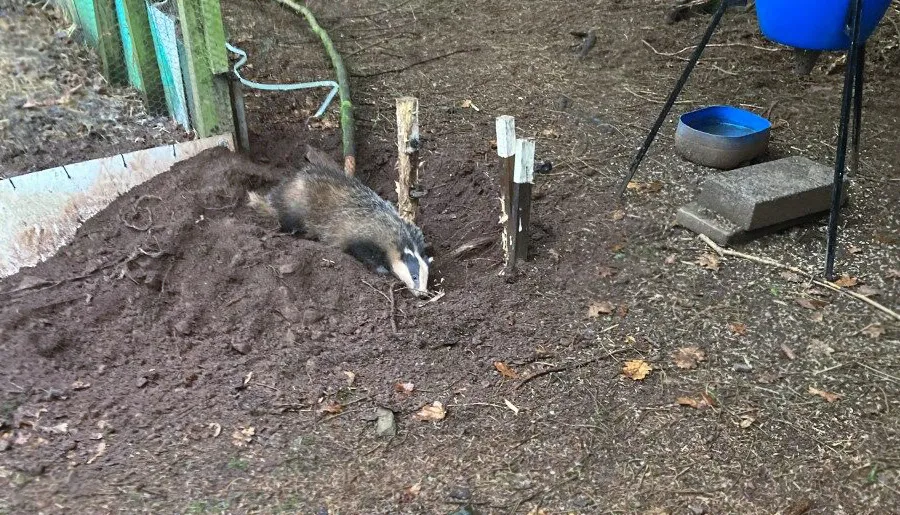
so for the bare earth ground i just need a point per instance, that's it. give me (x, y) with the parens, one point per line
(55, 107)
(231, 369)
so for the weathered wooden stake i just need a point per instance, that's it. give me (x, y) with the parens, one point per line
(523, 181)
(506, 149)
(408, 157)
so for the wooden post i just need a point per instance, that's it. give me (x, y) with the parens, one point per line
(109, 42)
(523, 181)
(204, 46)
(408, 157)
(506, 150)
(143, 55)
(239, 114)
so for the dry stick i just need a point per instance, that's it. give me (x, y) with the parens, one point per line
(408, 66)
(565, 368)
(825, 284)
(523, 181)
(408, 157)
(506, 150)
(343, 86)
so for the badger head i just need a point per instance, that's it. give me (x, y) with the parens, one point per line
(412, 268)
(412, 264)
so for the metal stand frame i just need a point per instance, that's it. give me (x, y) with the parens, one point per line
(851, 101)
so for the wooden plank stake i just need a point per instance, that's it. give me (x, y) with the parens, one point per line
(144, 55)
(506, 150)
(408, 157)
(204, 46)
(109, 42)
(523, 181)
(238, 113)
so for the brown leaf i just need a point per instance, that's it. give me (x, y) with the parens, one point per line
(80, 385)
(410, 493)
(618, 214)
(811, 303)
(600, 308)
(828, 396)
(242, 436)
(845, 281)
(738, 328)
(332, 408)
(746, 421)
(692, 402)
(636, 369)
(505, 371)
(645, 187)
(709, 261)
(709, 399)
(688, 357)
(788, 352)
(792, 277)
(404, 388)
(868, 291)
(433, 412)
(874, 331)
(351, 377)
(606, 272)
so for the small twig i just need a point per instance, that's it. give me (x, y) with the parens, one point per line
(471, 245)
(825, 284)
(393, 313)
(417, 63)
(565, 368)
(653, 100)
(883, 375)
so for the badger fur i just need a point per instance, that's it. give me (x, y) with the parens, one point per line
(320, 202)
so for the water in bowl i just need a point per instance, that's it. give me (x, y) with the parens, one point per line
(721, 128)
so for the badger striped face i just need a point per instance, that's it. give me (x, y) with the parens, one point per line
(412, 269)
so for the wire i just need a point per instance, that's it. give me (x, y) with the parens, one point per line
(283, 87)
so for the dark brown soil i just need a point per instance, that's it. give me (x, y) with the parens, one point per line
(211, 364)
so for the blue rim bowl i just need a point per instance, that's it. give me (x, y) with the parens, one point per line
(721, 136)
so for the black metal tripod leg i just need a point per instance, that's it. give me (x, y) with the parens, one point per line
(698, 51)
(857, 108)
(841, 157)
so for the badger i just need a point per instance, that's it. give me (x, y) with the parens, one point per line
(320, 202)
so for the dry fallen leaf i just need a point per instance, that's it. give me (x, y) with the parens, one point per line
(618, 214)
(404, 388)
(332, 408)
(410, 493)
(600, 308)
(466, 104)
(746, 421)
(618, 246)
(854, 250)
(605, 272)
(351, 377)
(845, 281)
(59, 429)
(705, 401)
(670, 259)
(738, 328)
(636, 369)
(688, 357)
(874, 331)
(433, 412)
(811, 303)
(791, 276)
(648, 187)
(828, 396)
(709, 261)
(868, 291)
(80, 385)
(242, 436)
(505, 371)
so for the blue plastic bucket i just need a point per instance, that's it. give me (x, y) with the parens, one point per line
(816, 24)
